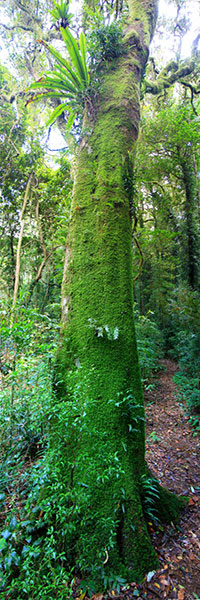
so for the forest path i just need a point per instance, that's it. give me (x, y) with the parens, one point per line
(173, 456)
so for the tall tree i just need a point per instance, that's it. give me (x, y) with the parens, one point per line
(98, 336)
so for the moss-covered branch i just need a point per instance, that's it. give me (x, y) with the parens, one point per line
(172, 73)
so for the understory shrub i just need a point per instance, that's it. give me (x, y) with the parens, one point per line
(189, 391)
(43, 504)
(150, 345)
(184, 346)
(39, 550)
(184, 330)
(105, 42)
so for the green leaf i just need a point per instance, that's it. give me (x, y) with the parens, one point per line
(49, 82)
(65, 81)
(2, 544)
(56, 113)
(68, 72)
(6, 534)
(60, 10)
(82, 43)
(70, 120)
(77, 61)
(49, 95)
(62, 61)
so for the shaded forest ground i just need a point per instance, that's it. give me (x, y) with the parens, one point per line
(173, 456)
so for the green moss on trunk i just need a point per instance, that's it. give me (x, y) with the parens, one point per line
(98, 337)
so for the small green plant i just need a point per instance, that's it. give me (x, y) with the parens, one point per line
(150, 496)
(105, 43)
(154, 437)
(188, 391)
(150, 346)
(195, 425)
(112, 581)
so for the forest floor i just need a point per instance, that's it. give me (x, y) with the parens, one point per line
(173, 457)
(172, 453)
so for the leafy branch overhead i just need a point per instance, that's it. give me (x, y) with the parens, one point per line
(68, 80)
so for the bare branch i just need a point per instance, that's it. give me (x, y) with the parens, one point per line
(193, 91)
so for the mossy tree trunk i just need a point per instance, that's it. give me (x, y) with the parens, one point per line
(98, 336)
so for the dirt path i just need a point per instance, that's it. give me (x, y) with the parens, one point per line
(173, 456)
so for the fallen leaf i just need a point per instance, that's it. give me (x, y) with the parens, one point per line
(181, 594)
(164, 581)
(191, 502)
(157, 585)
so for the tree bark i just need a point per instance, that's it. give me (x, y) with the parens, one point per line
(98, 336)
(191, 206)
(21, 220)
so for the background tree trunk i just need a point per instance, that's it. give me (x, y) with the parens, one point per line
(21, 220)
(191, 204)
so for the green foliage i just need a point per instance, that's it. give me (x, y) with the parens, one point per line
(150, 345)
(167, 203)
(40, 546)
(28, 344)
(61, 15)
(105, 43)
(184, 345)
(195, 424)
(154, 437)
(58, 517)
(189, 391)
(67, 81)
(183, 310)
(150, 496)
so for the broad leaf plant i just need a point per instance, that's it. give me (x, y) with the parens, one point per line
(68, 80)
